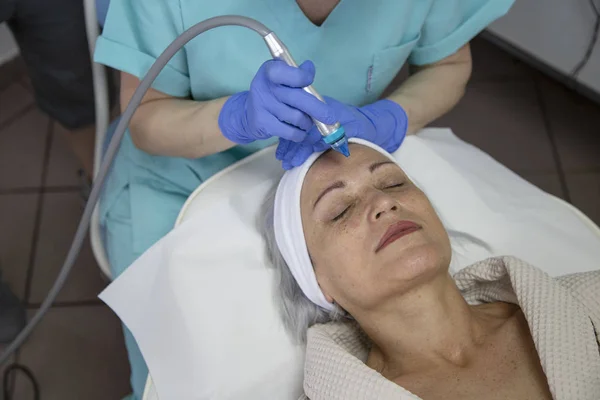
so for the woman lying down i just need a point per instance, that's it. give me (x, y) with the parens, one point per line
(363, 266)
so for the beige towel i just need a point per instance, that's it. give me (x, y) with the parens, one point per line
(563, 316)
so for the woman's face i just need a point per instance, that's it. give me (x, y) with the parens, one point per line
(371, 233)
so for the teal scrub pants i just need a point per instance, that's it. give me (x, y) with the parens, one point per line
(117, 224)
(118, 231)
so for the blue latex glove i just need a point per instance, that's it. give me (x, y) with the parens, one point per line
(383, 123)
(275, 105)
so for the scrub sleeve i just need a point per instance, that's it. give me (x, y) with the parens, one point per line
(450, 24)
(358, 50)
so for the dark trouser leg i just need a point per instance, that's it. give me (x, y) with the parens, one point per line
(52, 37)
(7, 9)
(12, 314)
(53, 43)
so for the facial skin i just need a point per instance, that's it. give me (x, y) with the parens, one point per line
(344, 227)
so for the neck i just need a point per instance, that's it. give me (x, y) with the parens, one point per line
(429, 326)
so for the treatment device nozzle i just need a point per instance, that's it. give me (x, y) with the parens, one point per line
(342, 146)
(334, 135)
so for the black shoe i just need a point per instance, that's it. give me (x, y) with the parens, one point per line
(12, 315)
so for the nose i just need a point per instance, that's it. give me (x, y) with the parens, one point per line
(382, 205)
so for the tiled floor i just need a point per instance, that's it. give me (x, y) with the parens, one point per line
(535, 126)
(77, 352)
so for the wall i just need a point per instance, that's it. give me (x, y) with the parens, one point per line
(555, 32)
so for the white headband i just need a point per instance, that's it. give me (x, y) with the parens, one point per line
(289, 233)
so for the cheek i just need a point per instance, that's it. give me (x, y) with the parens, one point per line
(436, 230)
(335, 248)
(336, 252)
(350, 225)
(331, 240)
(348, 237)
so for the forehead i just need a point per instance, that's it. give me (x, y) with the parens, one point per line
(333, 166)
(333, 161)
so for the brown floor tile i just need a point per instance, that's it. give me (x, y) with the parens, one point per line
(3, 367)
(17, 216)
(63, 167)
(22, 147)
(60, 217)
(12, 72)
(575, 122)
(492, 63)
(585, 193)
(549, 183)
(504, 119)
(76, 353)
(14, 99)
(26, 82)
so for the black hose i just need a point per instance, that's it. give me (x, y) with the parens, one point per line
(6, 392)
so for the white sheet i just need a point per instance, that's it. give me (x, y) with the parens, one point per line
(200, 302)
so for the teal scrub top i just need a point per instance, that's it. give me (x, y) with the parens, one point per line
(357, 51)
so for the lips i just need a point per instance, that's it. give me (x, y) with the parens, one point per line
(395, 232)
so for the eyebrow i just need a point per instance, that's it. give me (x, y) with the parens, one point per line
(340, 184)
(336, 185)
(376, 165)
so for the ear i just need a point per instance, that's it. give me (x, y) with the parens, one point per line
(325, 293)
(327, 296)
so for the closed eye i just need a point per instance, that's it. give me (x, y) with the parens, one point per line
(339, 216)
(394, 186)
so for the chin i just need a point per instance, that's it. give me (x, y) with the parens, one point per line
(419, 262)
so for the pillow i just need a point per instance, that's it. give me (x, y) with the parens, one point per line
(201, 301)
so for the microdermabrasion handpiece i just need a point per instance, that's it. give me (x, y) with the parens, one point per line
(334, 135)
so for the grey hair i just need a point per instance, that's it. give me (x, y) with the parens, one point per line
(297, 311)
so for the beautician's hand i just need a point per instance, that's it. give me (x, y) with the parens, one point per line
(383, 123)
(275, 105)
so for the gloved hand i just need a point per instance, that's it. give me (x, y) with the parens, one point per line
(383, 123)
(275, 105)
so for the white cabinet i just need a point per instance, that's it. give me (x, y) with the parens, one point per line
(590, 75)
(8, 47)
(555, 33)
